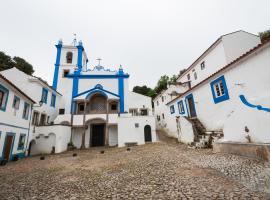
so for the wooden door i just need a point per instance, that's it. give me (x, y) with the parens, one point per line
(98, 135)
(8, 146)
(191, 107)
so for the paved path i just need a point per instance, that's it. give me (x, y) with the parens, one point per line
(152, 171)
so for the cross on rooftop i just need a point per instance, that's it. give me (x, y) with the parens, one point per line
(99, 59)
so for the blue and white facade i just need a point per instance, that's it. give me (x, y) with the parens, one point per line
(233, 99)
(15, 116)
(97, 103)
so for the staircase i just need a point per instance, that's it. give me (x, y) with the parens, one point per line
(202, 137)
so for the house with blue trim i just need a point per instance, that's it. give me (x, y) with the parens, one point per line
(15, 117)
(228, 105)
(223, 51)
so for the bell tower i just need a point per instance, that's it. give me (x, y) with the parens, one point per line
(68, 59)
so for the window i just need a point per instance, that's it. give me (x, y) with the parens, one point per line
(195, 75)
(21, 141)
(48, 119)
(3, 98)
(53, 100)
(162, 98)
(158, 117)
(181, 107)
(69, 57)
(172, 109)
(42, 121)
(144, 112)
(219, 90)
(202, 65)
(114, 107)
(26, 110)
(81, 107)
(35, 118)
(188, 77)
(44, 95)
(163, 116)
(61, 111)
(65, 72)
(133, 111)
(157, 103)
(16, 102)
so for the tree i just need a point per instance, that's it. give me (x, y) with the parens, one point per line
(162, 84)
(6, 62)
(144, 90)
(265, 35)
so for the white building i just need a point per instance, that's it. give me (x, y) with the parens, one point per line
(223, 51)
(233, 100)
(15, 115)
(165, 122)
(84, 107)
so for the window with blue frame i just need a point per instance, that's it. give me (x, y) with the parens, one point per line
(219, 90)
(44, 95)
(3, 97)
(16, 102)
(26, 110)
(22, 140)
(172, 109)
(53, 100)
(181, 107)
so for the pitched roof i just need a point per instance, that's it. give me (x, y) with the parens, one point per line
(16, 88)
(224, 68)
(212, 45)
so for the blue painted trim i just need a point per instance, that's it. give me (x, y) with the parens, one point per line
(21, 148)
(75, 88)
(187, 97)
(16, 98)
(56, 66)
(29, 110)
(178, 104)
(121, 90)
(93, 92)
(96, 89)
(98, 76)
(226, 93)
(5, 90)
(14, 126)
(20, 155)
(11, 150)
(44, 91)
(53, 100)
(80, 53)
(172, 109)
(258, 107)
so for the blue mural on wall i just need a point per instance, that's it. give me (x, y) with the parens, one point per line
(258, 107)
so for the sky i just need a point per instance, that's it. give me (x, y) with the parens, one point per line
(149, 38)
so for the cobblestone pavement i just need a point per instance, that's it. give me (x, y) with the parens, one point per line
(152, 171)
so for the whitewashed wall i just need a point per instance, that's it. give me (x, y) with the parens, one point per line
(232, 115)
(11, 120)
(127, 132)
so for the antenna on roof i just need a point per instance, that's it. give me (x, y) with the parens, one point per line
(74, 42)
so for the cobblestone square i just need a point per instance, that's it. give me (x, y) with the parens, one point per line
(152, 171)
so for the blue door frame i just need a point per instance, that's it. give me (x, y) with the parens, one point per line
(12, 145)
(191, 105)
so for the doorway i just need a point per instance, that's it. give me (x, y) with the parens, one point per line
(191, 106)
(97, 135)
(8, 146)
(147, 134)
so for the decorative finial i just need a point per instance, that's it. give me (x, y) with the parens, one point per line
(120, 67)
(74, 42)
(80, 43)
(99, 59)
(60, 41)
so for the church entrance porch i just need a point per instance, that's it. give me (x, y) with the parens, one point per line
(97, 133)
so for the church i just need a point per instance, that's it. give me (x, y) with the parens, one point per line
(85, 107)
(97, 103)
